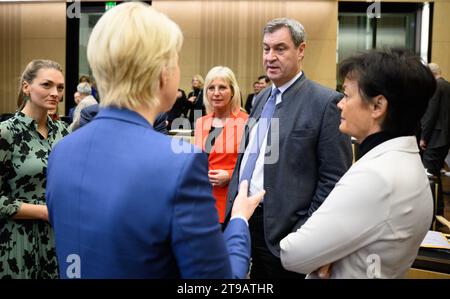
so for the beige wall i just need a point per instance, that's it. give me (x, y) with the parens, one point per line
(229, 33)
(216, 32)
(28, 31)
(440, 43)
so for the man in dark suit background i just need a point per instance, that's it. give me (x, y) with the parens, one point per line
(261, 84)
(307, 153)
(435, 137)
(249, 101)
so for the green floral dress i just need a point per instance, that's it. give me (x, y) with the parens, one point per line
(27, 247)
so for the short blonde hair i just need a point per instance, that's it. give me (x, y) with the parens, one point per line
(225, 73)
(128, 49)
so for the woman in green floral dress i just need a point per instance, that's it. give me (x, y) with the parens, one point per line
(27, 247)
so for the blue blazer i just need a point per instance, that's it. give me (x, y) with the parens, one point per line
(129, 202)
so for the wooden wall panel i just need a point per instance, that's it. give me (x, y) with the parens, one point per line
(440, 47)
(229, 33)
(10, 53)
(28, 31)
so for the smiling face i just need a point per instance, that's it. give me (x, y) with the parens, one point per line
(46, 90)
(281, 58)
(219, 94)
(356, 114)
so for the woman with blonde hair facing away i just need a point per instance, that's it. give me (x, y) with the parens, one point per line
(219, 132)
(134, 207)
(27, 247)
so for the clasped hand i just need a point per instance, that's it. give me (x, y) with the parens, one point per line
(219, 177)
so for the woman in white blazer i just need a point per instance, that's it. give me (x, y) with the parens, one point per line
(372, 223)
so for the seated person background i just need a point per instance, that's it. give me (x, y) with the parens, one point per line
(372, 223)
(178, 109)
(76, 99)
(86, 99)
(133, 207)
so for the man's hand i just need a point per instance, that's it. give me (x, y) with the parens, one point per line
(423, 144)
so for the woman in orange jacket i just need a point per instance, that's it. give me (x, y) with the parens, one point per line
(219, 132)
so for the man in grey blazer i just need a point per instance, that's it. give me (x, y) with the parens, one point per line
(301, 156)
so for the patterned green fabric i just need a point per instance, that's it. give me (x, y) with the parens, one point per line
(27, 247)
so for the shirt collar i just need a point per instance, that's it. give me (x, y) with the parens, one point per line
(32, 124)
(285, 86)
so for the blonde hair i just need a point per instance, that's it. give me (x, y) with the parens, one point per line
(30, 73)
(199, 78)
(225, 73)
(128, 49)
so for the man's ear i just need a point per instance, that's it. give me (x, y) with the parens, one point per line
(379, 107)
(301, 51)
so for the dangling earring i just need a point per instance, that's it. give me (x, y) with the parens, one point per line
(26, 97)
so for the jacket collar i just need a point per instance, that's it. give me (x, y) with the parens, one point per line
(286, 95)
(407, 144)
(123, 114)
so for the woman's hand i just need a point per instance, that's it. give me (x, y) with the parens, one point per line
(219, 177)
(324, 272)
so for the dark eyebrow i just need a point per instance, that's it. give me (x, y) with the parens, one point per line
(50, 81)
(283, 44)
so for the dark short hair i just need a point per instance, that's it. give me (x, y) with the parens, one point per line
(265, 78)
(295, 29)
(401, 77)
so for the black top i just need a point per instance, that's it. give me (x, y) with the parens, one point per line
(211, 139)
(372, 141)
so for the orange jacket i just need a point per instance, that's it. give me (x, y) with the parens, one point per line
(224, 152)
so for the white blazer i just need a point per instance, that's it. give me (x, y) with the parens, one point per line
(372, 223)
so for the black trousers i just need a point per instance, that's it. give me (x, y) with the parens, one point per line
(264, 264)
